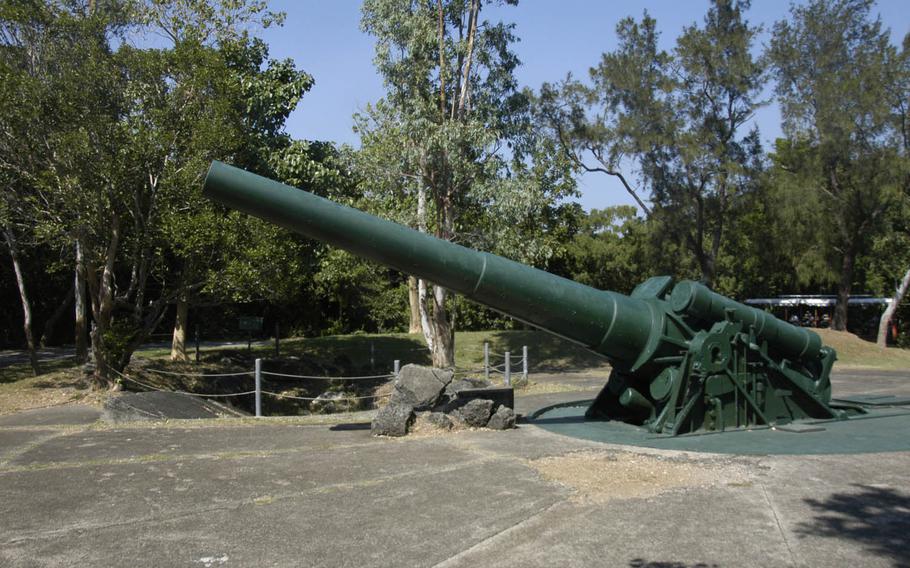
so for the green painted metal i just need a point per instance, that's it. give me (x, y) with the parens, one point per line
(684, 358)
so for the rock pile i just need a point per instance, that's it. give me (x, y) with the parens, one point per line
(432, 396)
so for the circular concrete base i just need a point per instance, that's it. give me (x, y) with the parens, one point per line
(881, 430)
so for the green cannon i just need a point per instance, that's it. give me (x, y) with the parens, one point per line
(684, 358)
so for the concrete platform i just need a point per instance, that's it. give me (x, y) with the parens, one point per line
(66, 415)
(277, 493)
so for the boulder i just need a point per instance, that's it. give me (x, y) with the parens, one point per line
(420, 387)
(469, 383)
(439, 420)
(465, 384)
(433, 420)
(392, 420)
(502, 419)
(475, 413)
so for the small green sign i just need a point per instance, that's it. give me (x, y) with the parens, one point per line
(249, 323)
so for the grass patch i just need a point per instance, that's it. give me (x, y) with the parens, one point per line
(353, 352)
(60, 383)
(20, 371)
(855, 352)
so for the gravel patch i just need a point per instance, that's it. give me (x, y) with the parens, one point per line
(603, 476)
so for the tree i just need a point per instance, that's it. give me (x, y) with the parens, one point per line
(609, 250)
(126, 134)
(833, 65)
(680, 118)
(49, 51)
(435, 141)
(899, 94)
(887, 261)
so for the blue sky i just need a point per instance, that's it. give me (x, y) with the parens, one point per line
(557, 36)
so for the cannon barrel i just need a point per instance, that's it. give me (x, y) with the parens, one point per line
(607, 322)
(683, 360)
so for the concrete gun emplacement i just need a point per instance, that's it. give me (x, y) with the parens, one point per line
(684, 358)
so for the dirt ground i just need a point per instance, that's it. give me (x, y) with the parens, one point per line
(602, 476)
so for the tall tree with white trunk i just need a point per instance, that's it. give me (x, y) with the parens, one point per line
(437, 138)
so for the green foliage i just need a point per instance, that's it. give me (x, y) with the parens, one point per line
(843, 164)
(102, 129)
(889, 254)
(421, 135)
(126, 135)
(609, 251)
(680, 117)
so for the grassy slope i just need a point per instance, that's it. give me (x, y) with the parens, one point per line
(61, 382)
(546, 353)
(855, 352)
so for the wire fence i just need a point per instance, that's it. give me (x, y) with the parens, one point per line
(257, 373)
(203, 375)
(503, 368)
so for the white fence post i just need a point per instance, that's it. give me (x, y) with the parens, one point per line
(258, 388)
(508, 372)
(486, 360)
(524, 362)
(397, 367)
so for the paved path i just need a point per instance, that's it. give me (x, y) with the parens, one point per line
(17, 357)
(276, 493)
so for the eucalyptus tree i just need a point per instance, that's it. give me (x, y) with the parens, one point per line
(451, 138)
(844, 151)
(672, 126)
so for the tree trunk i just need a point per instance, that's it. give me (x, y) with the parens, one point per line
(708, 269)
(80, 327)
(434, 323)
(414, 305)
(103, 311)
(425, 323)
(892, 307)
(443, 352)
(178, 343)
(23, 298)
(843, 290)
(51, 323)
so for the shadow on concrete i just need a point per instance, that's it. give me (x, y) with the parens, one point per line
(876, 517)
(642, 563)
(354, 426)
(577, 419)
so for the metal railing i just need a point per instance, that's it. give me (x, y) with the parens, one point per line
(504, 368)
